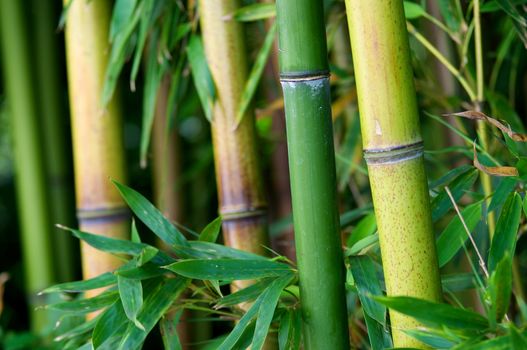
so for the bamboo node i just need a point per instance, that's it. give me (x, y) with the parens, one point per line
(102, 214)
(304, 76)
(391, 155)
(230, 215)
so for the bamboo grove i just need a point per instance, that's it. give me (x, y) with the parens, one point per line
(289, 174)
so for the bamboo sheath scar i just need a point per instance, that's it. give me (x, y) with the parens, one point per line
(97, 132)
(304, 74)
(242, 201)
(394, 154)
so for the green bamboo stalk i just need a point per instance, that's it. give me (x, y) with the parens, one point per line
(29, 166)
(97, 132)
(305, 83)
(54, 135)
(394, 153)
(242, 201)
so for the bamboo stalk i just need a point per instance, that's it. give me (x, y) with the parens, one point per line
(31, 192)
(394, 152)
(54, 135)
(242, 201)
(305, 83)
(97, 133)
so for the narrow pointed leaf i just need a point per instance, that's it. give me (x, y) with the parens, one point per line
(211, 231)
(151, 217)
(201, 75)
(504, 240)
(254, 12)
(104, 280)
(228, 269)
(367, 282)
(84, 306)
(256, 74)
(131, 295)
(454, 235)
(267, 309)
(435, 314)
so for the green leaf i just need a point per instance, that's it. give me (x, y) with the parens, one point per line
(104, 280)
(435, 314)
(249, 293)
(518, 17)
(362, 245)
(348, 217)
(134, 234)
(450, 11)
(458, 282)
(365, 276)
(454, 235)
(366, 227)
(84, 306)
(201, 75)
(254, 12)
(153, 76)
(267, 309)
(120, 47)
(436, 340)
(111, 323)
(211, 231)
(256, 74)
(285, 330)
(379, 337)
(144, 25)
(79, 330)
(493, 6)
(500, 288)
(151, 217)
(241, 326)
(155, 306)
(413, 10)
(143, 272)
(207, 250)
(228, 269)
(121, 16)
(501, 193)
(441, 204)
(450, 175)
(131, 294)
(169, 333)
(517, 339)
(504, 240)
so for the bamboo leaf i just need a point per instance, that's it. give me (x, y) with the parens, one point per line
(255, 75)
(104, 280)
(499, 288)
(143, 272)
(435, 314)
(504, 240)
(228, 269)
(285, 330)
(155, 306)
(366, 227)
(84, 306)
(379, 338)
(253, 12)
(110, 323)
(131, 294)
(211, 231)
(120, 47)
(151, 217)
(413, 10)
(144, 24)
(458, 282)
(441, 204)
(207, 250)
(518, 340)
(244, 295)
(121, 16)
(201, 75)
(518, 17)
(494, 170)
(435, 340)
(501, 193)
(454, 235)
(238, 330)
(153, 76)
(365, 276)
(267, 309)
(169, 333)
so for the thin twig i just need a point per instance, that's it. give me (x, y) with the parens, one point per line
(481, 261)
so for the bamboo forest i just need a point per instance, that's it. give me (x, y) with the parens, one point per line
(261, 174)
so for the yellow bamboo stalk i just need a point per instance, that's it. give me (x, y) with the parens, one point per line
(96, 132)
